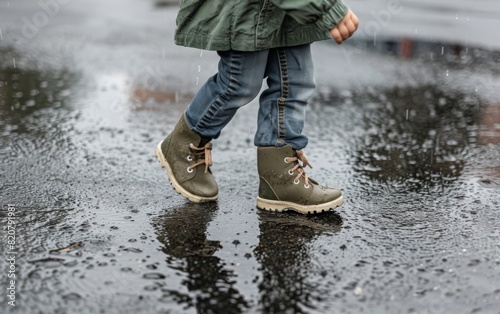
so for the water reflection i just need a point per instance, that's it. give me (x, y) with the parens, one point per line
(489, 125)
(283, 253)
(184, 235)
(418, 135)
(25, 92)
(34, 111)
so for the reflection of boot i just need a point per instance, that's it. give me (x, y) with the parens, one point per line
(187, 158)
(284, 184)
(210, 283)
(184, 232)
(287, 285)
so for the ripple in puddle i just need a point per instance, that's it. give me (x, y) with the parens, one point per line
(154, 276)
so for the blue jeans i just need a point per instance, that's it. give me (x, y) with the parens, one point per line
(290, 80)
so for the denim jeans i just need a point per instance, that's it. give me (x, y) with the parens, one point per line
(290, 81)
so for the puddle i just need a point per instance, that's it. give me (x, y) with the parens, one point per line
(410, 136)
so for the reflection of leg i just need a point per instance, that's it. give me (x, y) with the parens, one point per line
(185, 242)
(283, 182)
(238, 82)
(285, 260)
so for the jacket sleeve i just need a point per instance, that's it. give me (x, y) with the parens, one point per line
(326, 13)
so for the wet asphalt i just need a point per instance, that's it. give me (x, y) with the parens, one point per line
(405, 120)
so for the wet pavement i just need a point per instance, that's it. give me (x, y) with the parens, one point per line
(406, 121)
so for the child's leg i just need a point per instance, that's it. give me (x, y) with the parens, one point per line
(186, 152)
(283, 182)
(236, 84)
(290, 77)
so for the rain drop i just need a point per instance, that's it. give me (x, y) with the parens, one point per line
(150, 288)
(72, 296)
(154, 276)
(132, 249)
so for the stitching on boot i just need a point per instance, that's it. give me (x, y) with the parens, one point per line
(267, 189)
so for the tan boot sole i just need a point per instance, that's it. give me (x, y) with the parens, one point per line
(281, 206)
(177, 187)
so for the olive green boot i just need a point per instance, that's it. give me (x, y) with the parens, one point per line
(284, 185)
(187, 158)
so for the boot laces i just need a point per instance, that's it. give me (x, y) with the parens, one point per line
(204, 152)
(302, 162)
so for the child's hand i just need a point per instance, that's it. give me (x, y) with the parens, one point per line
(345, 28)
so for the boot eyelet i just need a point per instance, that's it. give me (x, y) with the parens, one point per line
(291, 173)
(190, 170)
(296, 181)
(307, 186)
(286, 160)
(189, 158)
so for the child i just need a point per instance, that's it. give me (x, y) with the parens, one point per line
(255, 39)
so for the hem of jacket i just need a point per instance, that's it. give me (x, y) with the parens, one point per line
(244, 42)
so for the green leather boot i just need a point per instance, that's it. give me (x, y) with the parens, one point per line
(284, 185)
(187, 158)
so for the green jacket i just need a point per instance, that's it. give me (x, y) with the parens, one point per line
(252, 25)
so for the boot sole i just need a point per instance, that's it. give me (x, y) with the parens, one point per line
(177, 187)
(281, 206)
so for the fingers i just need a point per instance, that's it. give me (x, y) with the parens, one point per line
(336, 35)
(341, 32)
(345, 28)
(354, 20)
